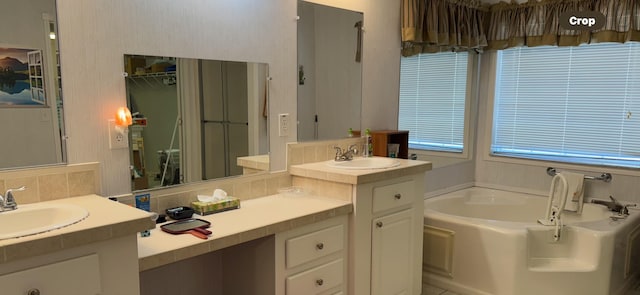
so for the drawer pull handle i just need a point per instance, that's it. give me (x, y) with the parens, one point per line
(320, 246)
(319, 282)
(398, 196)
(33, 292)
(379, 224)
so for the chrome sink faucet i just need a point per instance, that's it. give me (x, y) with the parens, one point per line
(347, 155)
(8, 202)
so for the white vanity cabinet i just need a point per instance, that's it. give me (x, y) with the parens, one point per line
(78, 276)
(388, 216)
(313, 259)
(96, 255)
(105, 267)
(385, 227)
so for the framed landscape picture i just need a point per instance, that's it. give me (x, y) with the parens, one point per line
(22, 82)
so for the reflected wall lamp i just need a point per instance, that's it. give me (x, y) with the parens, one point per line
(123, 117)
(118, 128)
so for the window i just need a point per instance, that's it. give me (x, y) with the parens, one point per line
(569, 104)
(432, 100)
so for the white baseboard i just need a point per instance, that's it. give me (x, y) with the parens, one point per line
(448, 284)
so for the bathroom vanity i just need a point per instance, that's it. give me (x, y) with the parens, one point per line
(346, 232)
(270, 244)
(385, 228)
(97, 255)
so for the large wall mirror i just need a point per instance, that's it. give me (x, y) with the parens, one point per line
(195, 119)
(329, 71)
(30, 93)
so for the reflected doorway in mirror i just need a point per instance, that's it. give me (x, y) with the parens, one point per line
(193, 118)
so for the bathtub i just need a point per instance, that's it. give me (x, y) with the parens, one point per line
(484, 241)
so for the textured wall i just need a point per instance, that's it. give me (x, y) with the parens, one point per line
(94, 35)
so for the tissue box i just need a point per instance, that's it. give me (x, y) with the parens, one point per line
(206, 208)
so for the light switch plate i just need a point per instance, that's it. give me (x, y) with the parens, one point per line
(283, 124)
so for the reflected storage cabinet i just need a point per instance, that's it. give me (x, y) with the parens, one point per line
(313, 259)
(380, 139)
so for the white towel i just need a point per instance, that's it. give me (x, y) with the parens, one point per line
(575, 197)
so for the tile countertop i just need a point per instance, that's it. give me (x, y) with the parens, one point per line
(259, 162)
(106, 220)
(256, 218)
(320, 170)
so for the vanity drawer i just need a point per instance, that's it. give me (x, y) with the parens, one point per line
(393, 195)
(314, 245)
(316, 280)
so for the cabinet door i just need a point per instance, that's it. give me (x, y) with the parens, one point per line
(391, 254)
(79, 276)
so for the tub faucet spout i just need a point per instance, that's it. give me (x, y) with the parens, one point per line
(613, 205)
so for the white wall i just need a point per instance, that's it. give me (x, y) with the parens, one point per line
(94, 36)
(28, 133)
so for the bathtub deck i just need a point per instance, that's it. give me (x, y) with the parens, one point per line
(433, 290)
(559, 264)
(500, 224)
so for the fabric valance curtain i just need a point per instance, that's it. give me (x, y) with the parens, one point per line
(536, 23)
(445, 25)
(442, 25)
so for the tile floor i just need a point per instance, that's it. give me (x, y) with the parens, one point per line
(433, 290)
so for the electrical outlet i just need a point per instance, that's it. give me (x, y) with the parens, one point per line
(45, 115)
(283, 124)
(117, 136)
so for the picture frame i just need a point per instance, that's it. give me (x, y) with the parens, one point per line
(22, 77)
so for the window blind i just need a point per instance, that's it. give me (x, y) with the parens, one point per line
(432, 100)
(570, 104)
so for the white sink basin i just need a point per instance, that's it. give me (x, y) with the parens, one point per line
(31, 219)
(365, 163)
